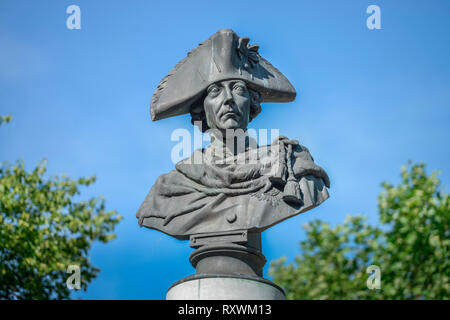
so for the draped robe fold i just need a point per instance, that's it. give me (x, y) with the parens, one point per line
(215, 191)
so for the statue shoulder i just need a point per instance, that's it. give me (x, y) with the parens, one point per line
(303, 162)
(298, 150)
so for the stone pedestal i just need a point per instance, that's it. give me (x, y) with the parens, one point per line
(224, 287)
(229, 266)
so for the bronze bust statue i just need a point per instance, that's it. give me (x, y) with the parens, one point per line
(222, 84)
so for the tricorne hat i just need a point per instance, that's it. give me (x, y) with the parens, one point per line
(223, 56)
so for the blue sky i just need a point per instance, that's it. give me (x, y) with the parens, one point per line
(368, 101)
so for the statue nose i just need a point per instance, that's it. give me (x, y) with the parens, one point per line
(228, 99)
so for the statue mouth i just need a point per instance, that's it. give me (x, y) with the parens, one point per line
(230, 115)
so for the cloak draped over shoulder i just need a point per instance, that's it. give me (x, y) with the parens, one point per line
(214, 191)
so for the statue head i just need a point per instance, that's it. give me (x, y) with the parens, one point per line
(222, 83)
(227, 104)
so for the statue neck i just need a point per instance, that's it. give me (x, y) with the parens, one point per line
(233, 143)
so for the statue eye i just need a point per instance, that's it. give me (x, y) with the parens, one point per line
(213, 90)
(239, 88)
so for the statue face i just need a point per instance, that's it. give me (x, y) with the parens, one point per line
(227, 105)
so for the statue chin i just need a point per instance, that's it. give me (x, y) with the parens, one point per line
(231, 124)
(226, 123)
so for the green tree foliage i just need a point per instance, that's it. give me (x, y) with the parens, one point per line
(5, 119)
(411, 246)
(44, 228)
